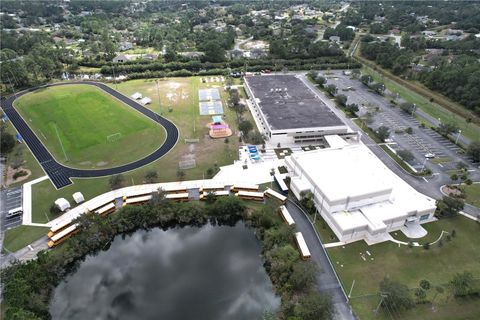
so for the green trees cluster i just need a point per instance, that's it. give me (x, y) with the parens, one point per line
(458, 80)
(345, 34)
(448, 206)
(28, 286)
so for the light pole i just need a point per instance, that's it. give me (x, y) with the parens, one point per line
(158, 96)
(458, 136)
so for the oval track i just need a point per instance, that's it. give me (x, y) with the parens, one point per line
(61, 175)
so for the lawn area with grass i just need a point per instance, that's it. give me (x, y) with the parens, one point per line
(21, 236)
(473, 194)
(180, 94)
(410, 265)
(30, 163)
(74, 122)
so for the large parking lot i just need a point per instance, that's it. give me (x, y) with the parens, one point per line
(11, 199)
(419, 142)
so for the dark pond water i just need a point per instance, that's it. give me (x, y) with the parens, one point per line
(212, 272)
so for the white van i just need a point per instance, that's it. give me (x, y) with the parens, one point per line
(14, 212)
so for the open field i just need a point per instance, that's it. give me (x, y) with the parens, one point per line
(84, 127)
(469, 130)
(410, 265)
(20, 237)
(473, 194)
(181, 95)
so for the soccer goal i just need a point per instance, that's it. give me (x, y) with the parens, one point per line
(114, 137)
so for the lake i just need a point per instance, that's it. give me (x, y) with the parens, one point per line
(211, 272)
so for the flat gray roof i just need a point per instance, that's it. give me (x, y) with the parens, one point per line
(288, 103)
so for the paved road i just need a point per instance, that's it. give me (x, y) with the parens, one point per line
(327, 280)
(60, 174)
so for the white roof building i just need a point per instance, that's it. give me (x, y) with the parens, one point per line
(146, 100)
(356, 194)
(78, 197)
(136, 96)
(62, 204)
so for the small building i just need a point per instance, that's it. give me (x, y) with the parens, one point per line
(62, 204)
(429, 33)
(78, 197)
(146, 100)
(121, 58)
(335, 39)
(136, 96)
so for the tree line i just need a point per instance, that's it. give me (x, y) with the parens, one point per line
(28, 286)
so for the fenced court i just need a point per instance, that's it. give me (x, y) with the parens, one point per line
(208, 94)
(208, 108)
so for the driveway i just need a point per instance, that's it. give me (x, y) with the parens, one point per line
(327, 280)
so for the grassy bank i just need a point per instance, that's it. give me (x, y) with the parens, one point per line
(21, 236)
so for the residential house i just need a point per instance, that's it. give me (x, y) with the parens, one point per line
(121, 58)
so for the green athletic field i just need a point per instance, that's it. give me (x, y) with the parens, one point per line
(84, 127)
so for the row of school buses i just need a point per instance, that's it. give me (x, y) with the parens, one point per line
(103, 207)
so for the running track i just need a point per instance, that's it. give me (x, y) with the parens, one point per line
(61, 175)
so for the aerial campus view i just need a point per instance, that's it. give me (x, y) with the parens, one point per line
(265, 160)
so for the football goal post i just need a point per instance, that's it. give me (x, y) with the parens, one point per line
(114, 137)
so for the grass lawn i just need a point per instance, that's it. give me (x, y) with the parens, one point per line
(30, 163)
(74, 123)
(473, 194)
(181, 94)
(409, 266)
(367, 130)
(21, 236)
(471, 131)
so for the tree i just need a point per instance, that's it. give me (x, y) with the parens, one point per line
(256, 138)
(245, 127)
(331, 89)
(320, 81)
(7, 142)
(303, 275)
(181, 175)
(151, 176)
(407, 107)
(425, 284)
(448, 207)
(447, 128)
(462, 284)
(366, 79)
(420, 294)
(116, 181)
(214, 52)
(307, 202)
(352, 108)
(473, 150)
(210, 198)
(314, 306)
(396, 295)
(406, 155)
(454, 177)
(341, 99)
(383, 133)
(378, 88)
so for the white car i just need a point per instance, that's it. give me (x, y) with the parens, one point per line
(429, 155)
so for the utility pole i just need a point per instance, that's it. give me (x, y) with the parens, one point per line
(114, 77)
(158, 95)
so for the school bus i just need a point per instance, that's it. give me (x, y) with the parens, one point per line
(62, 236)
(286, 215)
(275, 195)
(302, 245)
(249, 195)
